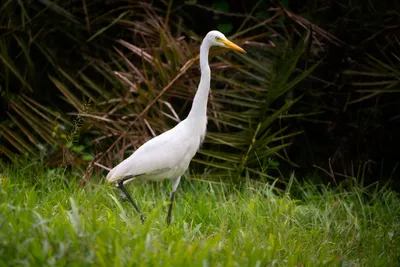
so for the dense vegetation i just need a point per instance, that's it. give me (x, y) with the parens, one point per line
(87, 83)
(47, 220)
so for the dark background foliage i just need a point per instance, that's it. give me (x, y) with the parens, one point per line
(60, 58)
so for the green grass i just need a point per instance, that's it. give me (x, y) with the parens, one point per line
(47, 219)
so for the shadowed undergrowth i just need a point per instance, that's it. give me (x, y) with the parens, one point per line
(47, 219)
(87, 82)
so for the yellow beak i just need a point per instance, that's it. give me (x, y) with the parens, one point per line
(233, 46)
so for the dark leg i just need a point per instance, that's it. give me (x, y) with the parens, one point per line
(175, 184)
(171, 204)
(121, 186)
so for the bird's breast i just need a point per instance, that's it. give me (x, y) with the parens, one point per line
(202, 131)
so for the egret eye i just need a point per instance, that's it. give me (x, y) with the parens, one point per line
(218, 39)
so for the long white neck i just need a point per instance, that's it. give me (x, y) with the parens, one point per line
(199, 107)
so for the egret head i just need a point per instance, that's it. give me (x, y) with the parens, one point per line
(216, 38)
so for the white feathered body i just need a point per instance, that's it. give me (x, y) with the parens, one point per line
(166, 156)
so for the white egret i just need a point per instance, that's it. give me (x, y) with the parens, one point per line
(168, 155)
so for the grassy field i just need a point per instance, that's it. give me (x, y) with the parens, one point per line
(46, 219)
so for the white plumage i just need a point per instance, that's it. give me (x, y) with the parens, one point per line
(168, 155)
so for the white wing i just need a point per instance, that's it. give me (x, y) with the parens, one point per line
(166, 153)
